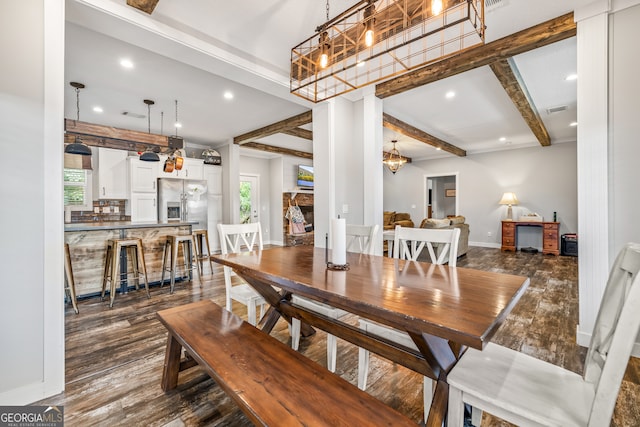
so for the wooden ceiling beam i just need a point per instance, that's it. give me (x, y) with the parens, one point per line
(277, 150)
(300, 133)
(406, 129)
(146, 6)
(97, 132)
(282, 125)
(509, 76)
(552, 31)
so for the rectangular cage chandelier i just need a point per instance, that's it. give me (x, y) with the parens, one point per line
(378, 39)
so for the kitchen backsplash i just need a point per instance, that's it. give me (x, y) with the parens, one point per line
(103, 210)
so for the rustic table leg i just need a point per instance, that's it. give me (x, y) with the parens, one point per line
(171, 364)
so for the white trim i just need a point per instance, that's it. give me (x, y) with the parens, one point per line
(592, 164)
(425, 190)
(53, 280)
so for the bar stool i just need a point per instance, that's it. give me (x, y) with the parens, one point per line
(70, 284)
(202, 238)
(133, 250)
(171, 249)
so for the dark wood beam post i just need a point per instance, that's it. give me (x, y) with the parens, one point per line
(406, 129)
(286, 124)
(507, 73)
(560, 28)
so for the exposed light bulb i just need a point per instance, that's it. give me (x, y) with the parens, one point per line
(436, 7)
(324, 60)
(368, 38)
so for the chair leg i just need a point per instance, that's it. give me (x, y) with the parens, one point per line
(363, 368)
(251, 312)
(107, 270)
(332, 350)
(427, 395)
(132, 252)
(194, 256)
(476, 416)
(295, 333)
(174, 261)
(455, 414)
(164, 262)
(115, 273)
(206, 240)
(69, 276)
(144, 267)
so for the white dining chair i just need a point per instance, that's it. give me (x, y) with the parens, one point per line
(527, 391)
(236, 238)
(408, 244)
(360, 239)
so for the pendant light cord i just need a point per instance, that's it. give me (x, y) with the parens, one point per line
(327, 10)
(78, 104)
(176, 124)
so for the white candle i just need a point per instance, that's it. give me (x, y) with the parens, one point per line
(339, 241)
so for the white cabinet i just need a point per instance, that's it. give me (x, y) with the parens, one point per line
(213, 175)
(110, 181)
(144, 207)
(191, 169)
(142, 175)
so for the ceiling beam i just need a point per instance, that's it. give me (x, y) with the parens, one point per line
(277, 150)
(146, 6)
(300, 133)
(554, 30)
(84, 130)
(509, 76)
(406, 129)
(282, 125)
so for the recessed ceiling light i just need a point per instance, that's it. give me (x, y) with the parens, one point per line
(98, 109)
(126, 63)
(360, 64)
(178, 125)
(503, 139)
(228, 95)
(450, 94)
(573, 124)
(571, 77)
(438, 148)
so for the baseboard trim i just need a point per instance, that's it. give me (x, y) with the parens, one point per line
(584, 339)
(486, 245)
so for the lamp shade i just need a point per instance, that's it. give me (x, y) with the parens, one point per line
(77, 147)
(149, 156)
(509, 199)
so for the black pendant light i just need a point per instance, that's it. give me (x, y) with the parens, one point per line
(77, 147)
(149, 155)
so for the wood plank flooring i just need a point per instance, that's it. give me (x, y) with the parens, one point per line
(114, 356)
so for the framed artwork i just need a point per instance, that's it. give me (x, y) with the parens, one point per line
(450, 193)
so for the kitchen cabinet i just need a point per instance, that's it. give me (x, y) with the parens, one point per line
(191, 169)
(142, 175)
(213, 175)
(144, 207)
(110, 180)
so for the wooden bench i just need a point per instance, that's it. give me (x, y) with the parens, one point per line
(271, 383)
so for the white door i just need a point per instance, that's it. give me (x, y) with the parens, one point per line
(249, 198)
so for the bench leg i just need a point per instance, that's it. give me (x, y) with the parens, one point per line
(171, 364)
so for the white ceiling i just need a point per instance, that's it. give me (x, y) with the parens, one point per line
(194, 54)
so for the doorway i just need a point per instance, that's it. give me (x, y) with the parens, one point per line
(249, 198)
(441, 195)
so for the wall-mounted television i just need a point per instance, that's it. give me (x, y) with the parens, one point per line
(305, 176)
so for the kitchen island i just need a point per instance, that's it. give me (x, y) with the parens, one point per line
(88, 246)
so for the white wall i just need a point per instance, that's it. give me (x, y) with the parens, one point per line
(31, 105)
(624, 148)
(543, 178)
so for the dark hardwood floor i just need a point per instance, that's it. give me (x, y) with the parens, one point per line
(114, 356)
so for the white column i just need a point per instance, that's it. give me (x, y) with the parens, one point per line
(372, 132)
(323, 169)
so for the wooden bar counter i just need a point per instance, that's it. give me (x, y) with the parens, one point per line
(88, 243)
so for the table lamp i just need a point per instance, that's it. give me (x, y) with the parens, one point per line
(509, 199)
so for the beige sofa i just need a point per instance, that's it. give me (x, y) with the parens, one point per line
(451, 222)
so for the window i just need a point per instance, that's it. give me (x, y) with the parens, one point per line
(75, 187)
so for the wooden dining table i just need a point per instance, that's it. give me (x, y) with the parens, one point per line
(443, 309)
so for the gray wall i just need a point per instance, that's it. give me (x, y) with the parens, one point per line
(543, 178)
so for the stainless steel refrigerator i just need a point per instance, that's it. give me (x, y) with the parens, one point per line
(183, 200)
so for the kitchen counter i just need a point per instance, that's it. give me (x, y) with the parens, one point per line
(121, 225)
(88, 246)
